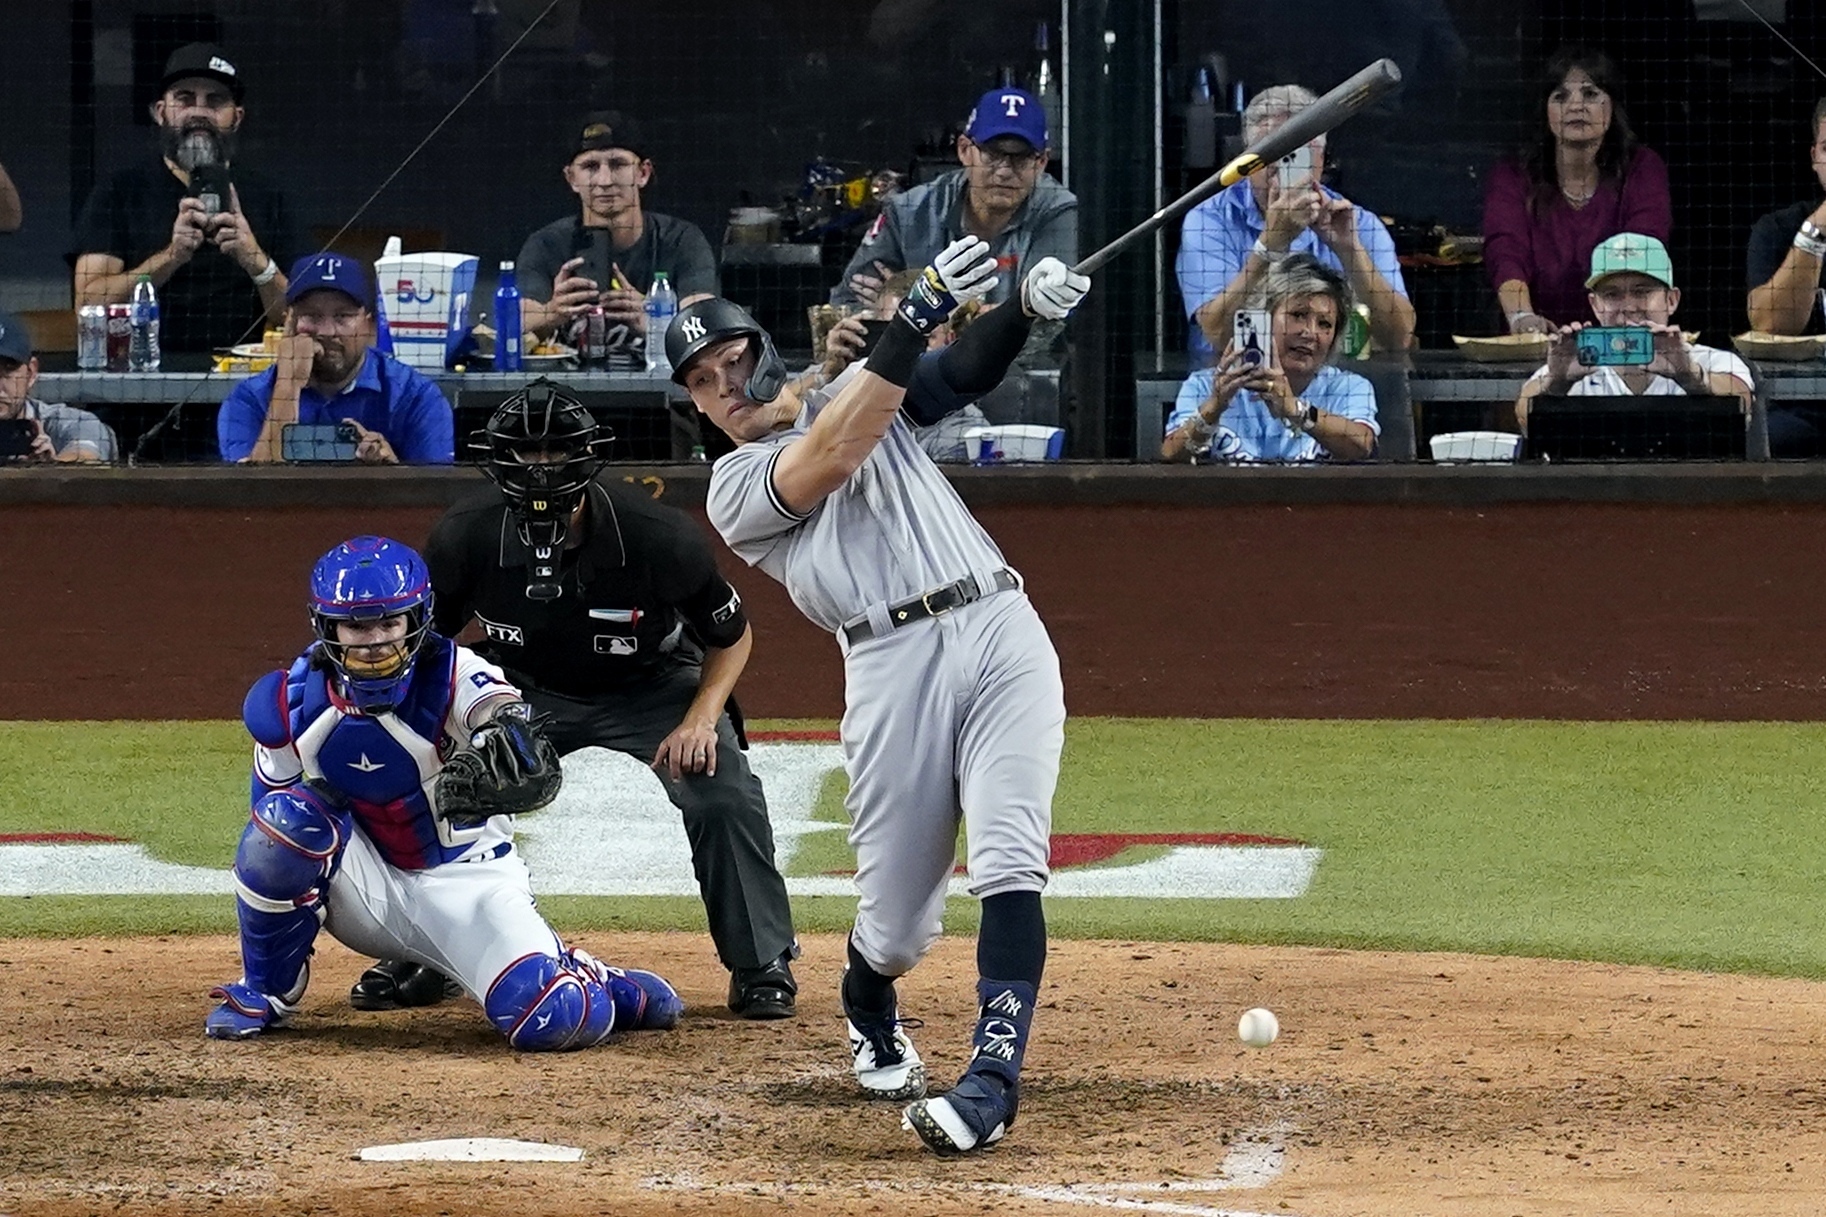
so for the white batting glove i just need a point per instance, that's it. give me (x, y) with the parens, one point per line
(966, 268)
(1052, 289)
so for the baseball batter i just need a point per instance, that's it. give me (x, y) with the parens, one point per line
(388, 763)
(954, 702)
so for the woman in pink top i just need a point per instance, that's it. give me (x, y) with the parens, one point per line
(1586, 178)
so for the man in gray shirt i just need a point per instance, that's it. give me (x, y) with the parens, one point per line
(33, 430)
(608, 253)
(1002, 194)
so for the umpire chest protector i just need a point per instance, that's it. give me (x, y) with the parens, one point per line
(639, 591)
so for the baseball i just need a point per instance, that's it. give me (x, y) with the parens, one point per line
(1258, 1027)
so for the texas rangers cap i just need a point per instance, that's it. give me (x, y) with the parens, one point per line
(1631, 251)
(15, 339)
(202, 59)
(332, 271)
(602, 129)
(1007, 112)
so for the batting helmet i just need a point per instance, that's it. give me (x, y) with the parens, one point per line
(364, 580)
(709, 322)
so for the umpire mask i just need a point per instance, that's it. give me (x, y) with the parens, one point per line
(541, 447)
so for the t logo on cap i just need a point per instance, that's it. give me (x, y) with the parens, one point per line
(1014, 102)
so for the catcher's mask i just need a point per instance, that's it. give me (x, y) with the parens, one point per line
(542, 447)
(709, 322)
(367, 581)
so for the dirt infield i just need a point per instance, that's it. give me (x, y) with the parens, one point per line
(1581, 611)
(1402, 1084)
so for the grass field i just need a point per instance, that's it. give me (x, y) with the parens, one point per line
(1690, 845)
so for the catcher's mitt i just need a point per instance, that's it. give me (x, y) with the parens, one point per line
(510, 767)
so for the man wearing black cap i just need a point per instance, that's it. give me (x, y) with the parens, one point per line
(212, 244)
(607, 254)
(33, 430)
(327, 375)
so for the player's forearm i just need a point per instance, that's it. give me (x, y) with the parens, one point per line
(840, 439)
(1782, 305)
(722, 668)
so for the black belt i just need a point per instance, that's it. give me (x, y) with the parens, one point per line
(934, 603)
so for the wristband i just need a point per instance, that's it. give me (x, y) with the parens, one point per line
(1811, 231)
(927, 305)
(1816, 246)
(268, 275)
(1197, 429)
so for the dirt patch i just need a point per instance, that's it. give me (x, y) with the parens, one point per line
(1402, 1084)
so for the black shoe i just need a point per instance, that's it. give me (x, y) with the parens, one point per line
(394, 984)
(768, 991)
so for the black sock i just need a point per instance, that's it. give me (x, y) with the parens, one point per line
(1012, 942)
(864, 989)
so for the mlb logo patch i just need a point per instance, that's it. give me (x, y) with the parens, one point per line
(615, 644)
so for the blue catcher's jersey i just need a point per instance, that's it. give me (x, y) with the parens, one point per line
(383, 767)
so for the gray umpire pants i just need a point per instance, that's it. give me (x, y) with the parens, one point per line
(732, 840)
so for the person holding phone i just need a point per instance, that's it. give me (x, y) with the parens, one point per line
(1632, 286)
(1230, 241)
(31, 430)
(1293, 405)
(329, 391)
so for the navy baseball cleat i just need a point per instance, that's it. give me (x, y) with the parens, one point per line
(244, 1013)
(972, 1115)
(768, 991)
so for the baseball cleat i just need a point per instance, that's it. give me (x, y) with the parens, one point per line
(395, 984)
(244, 1013)
(768, 991)
(887, 1065)
(974, 1114)
(643, 1000)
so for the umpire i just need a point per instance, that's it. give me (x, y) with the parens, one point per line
(607, 611)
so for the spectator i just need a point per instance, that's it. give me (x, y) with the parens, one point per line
(59, 432)
(327, 373)
(1230, 241)
(1296, 407)
(216, 274)
(12, 211)
(1582, 179)
(1632, 284)
(1786, 248)
(607, 254)
(942, 440)
(1002, 194)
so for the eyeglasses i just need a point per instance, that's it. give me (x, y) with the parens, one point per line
(1020, 162)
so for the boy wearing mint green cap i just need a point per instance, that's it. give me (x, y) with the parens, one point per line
(1632, 285)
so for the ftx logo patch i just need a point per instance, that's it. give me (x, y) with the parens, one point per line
(511, 635)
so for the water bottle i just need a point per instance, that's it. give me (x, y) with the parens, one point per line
(662, 306)
(143, 312)
(507, 322)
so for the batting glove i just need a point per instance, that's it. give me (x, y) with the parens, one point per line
(1051, 290)
(964, 270)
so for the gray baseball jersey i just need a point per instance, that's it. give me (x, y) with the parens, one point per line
(956, 715)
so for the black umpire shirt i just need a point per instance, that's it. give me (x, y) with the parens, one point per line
(209, 302)
(641, 591)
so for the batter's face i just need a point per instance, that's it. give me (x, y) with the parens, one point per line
(1305, 327)
(718, 382)
(1578, 112)
(343, 330)
(374, 648)
(1633, 299)
(16, 381)
(608, 181)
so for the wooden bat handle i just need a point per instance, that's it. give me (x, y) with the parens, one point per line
(1315, 120)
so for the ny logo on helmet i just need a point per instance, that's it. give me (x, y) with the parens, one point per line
(692, 328)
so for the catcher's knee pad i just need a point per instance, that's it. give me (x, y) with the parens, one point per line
(291, 845)
(544, 1003)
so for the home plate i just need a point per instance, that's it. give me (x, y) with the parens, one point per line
(472, 1149)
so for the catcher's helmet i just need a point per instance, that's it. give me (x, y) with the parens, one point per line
(367, 579)
(541, 447)
(709, 322)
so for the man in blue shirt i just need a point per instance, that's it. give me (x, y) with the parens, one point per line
(1231, 239)
(1292, 407)
(327, 373)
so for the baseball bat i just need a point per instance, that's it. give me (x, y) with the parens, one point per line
(1315, 120)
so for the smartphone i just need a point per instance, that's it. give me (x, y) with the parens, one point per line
(1616, 346)
(872, 330)
(16, 436)
(1294, 171)
(318, 442)
(1252, 336)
